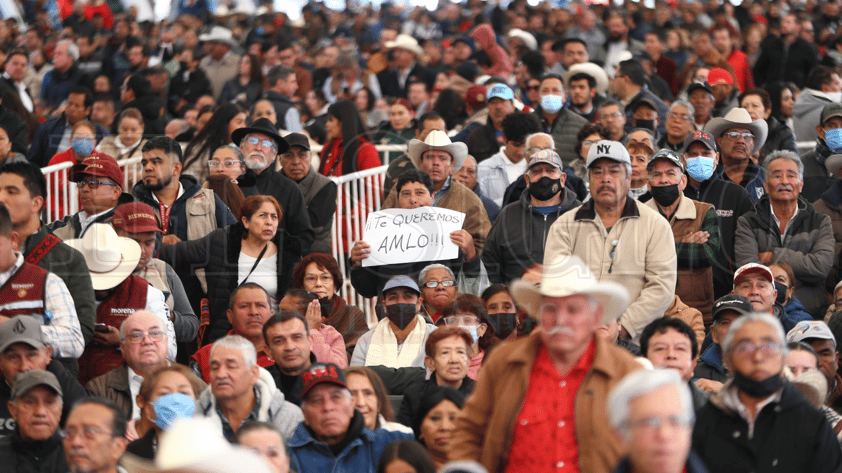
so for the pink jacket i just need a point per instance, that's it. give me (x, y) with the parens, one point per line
(328, 346)
(500, 63)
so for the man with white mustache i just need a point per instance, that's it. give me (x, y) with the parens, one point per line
(784, 227)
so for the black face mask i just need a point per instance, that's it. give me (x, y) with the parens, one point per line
(665, 195)
(545, 188)
(781, 288)
(758, 389)
(504, 323)
(648, 124)
(400, 314)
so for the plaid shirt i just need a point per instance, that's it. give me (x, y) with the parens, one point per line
(60, 326)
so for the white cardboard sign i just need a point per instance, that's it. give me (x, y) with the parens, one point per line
(411, 235)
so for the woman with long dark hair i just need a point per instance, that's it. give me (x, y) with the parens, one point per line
(245, 88)
(347, 150)
(217, 132)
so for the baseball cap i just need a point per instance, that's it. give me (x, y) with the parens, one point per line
(667, 155)
(475, 96)
(752, 268)
(401, 281)
(29, 379)
(644, 101)
(833, 109)
(322, 373)
(502, 91)
(545, 156)
(719, 76)
(298, 139)
(21, 329)
(612, 150)
(699, 85)
(135, 217)
(702, 137)
(734, 302)
(97, 165)
(807, 329)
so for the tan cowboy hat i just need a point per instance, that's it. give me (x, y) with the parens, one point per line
(592, 70)
(739, 118)
(405, 41)
(219, 34)
(569, 276)
(437, 139)
(111, 259)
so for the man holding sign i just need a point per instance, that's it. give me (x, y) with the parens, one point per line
(439, 158)
(405, 242)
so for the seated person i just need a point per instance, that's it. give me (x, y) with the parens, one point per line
(438, 290)
(670, 343)
(398, 340)
(372, 399)
(414, 189)
(710, 370)
(467, 311)
(326, 342)
(447, 360)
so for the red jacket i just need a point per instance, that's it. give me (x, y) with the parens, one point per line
(739, 61)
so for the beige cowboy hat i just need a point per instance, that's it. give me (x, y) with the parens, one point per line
(590, 69)
(110, 258)
(739, 118)
(218, 34)
(437, 139)
(569, 276)
(405, 41)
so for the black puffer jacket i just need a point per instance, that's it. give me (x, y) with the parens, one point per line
(518, 237)
(219, 254)
(780, 137)
(32, 457)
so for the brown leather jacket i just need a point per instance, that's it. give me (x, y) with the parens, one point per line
(485, 426)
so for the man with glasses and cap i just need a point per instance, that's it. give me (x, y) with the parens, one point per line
(379, 346)
(100, 182)
(549, 389)
(35, 405)
(261, 144)
(22, 349)
(693, 223)
(738, 138)
(319, 191)
(758, 421)
(111, 260)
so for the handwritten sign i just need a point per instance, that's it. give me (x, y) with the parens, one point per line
(411, 235)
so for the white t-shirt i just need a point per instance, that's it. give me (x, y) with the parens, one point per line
(265, 274)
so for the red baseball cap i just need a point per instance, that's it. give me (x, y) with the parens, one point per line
(719, 76)
(135, 217)
(97, 165)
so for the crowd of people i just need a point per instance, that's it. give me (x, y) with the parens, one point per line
(646, 277)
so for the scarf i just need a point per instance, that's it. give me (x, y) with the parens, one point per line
(383, 349)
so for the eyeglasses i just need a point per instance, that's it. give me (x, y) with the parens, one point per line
(435, 284)
(766, 348)
(612, 115)
(228, 163)
(87, 432)
(735, 135)
(533, 87)
(153, 335)
(650, 424)
(265, 143)
(676, 116)
(93, 185)
(461, 320)
(325, 278)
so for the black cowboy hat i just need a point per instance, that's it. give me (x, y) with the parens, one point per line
(264, 126)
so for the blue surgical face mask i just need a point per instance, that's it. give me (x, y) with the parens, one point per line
(700, 168)
(833, 138)
(170, 407)
(551, 103)
(83, 147)
(260, 31)
(472, 329)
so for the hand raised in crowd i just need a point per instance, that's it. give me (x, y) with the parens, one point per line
(709, 385)
(314, 315)
(110, 338)
(359, 252)
(696, 237)
(465, 242)
(170, 240)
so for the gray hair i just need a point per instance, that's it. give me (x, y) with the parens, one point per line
(536, 135)
(640, 383)
(690, 109)
(236, 149)
(423, 274)
(787, 155)
(239, 343)
(739, 322)
(72, 49)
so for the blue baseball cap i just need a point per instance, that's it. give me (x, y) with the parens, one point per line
(401, 281)
(501, 91)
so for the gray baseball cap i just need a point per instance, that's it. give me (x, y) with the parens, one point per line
(29, 379)
(401, 281)
(21, 329)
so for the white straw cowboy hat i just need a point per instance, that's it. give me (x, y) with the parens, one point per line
(405, 41)
(219, 34)
(437, 139)
(739, 118)
(590, 69)
(569, 276)
(111, 259)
